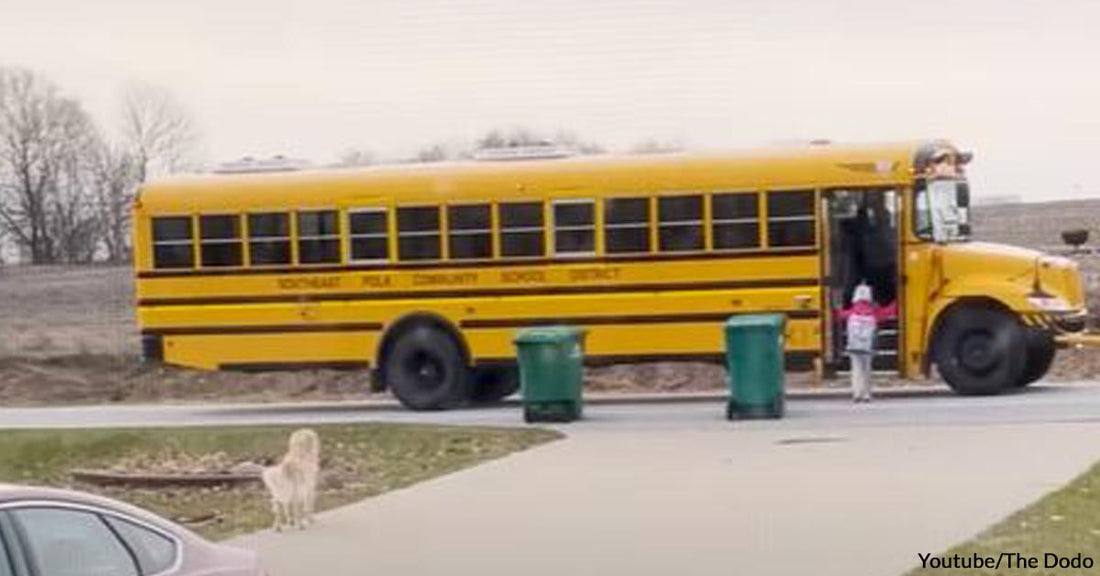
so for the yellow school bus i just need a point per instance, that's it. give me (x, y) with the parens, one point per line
(424, 273)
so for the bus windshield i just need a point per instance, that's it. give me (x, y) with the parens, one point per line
(943, 211)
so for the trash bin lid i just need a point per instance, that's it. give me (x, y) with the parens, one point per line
(774, 321)
(548, 334)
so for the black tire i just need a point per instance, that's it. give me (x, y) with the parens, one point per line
(425, 369)
(980, 350)
(1040, 356)
(493, 383)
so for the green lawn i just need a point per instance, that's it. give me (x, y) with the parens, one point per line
(358, 462)
(1064, 523)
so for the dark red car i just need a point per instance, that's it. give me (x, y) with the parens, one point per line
(47, 532)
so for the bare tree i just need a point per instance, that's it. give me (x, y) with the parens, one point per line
(159, 137)
(157, 131)
(513, 138)
(500, 139)
(521, 137)
(433, 153)
(654, 146)
(356, 157)
(74, 224)
(584, 147)
(42, 135)
(113, 172)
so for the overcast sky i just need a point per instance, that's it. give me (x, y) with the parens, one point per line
(1014, 80)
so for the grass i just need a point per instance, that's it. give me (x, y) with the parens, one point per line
(358, 461)
(1065, 522)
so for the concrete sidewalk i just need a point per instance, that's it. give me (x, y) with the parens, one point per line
(385, 402)
(723, 498)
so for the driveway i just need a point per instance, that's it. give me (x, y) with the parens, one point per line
(675, 489)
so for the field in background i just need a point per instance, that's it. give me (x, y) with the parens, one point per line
(62, 311)
(67, 334)
(1036, 225)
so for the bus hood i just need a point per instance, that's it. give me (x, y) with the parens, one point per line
(1026, 280)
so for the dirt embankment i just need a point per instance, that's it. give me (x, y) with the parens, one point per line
(90, 379)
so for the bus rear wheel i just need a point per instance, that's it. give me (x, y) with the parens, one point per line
(425, 369)
(1040, 355)
(493, 383)
(981, 350)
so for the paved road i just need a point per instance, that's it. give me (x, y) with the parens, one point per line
(835, 488)
(1067, 403)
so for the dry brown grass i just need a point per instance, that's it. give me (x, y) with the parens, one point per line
(90, 379)
(65, 311)
(358, 461)
(1036, 225)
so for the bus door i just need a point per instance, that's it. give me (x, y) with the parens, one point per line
(861, 246)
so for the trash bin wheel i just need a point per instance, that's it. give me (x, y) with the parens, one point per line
(980, 350)
(777, 408)
(557, 412)
(493, 383)
(425, 369)
(564, 411)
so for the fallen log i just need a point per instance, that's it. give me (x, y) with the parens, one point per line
(105, 478)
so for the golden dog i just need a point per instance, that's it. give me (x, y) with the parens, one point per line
(292, 482)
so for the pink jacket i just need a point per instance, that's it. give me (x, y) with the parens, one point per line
(863, 308)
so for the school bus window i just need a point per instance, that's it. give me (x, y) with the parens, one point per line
(269, 239)
(318, 237)
(735, 221)
(220, 243)
(172, 238)
(626, 225)
(791, 220)
(418, 233)
(471, 232)
(574, 227)
(521, 230)
(680, 223)
(368, 231)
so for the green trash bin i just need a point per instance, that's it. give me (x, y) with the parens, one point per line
(754, 359)
(551, 375)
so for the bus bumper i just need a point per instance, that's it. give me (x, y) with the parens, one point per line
(1079, 340)
(1058, 323)
(1069, 329)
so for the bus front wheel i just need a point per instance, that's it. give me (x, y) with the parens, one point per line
(981, 350)
(425, 369)
(1040, 355)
